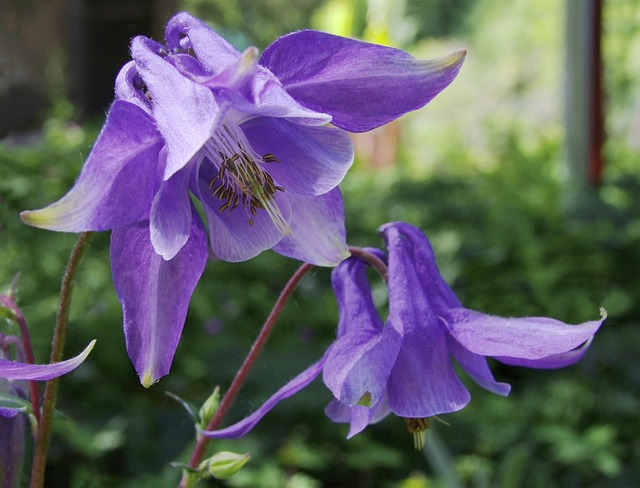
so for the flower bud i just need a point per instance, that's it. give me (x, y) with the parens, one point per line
(209, 408)
(225, 464)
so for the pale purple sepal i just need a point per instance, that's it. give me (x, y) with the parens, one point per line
(554, 361)
(525, 338)
(318, 234)
(14, 370)
(116, 185)
(155, 294)
(361, 85)
(291, 388)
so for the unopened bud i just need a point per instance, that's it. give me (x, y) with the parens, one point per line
(225, 464)
(209, 408)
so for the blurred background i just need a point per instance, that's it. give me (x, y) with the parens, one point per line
(524, 173)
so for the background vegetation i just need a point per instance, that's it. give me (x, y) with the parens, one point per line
(481, 170)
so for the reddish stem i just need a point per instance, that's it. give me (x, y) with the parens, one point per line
(373, 260)
(257, 347)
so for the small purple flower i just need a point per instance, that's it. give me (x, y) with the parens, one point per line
(405, 366)
(261, 143)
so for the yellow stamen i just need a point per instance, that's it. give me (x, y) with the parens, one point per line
(417, 426)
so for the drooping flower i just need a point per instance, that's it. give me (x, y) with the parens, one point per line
(262, 143)
(405, 366)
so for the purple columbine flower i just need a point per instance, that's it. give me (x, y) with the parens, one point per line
(405, 366)
(261, 142)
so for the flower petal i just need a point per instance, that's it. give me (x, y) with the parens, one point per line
(476, 366)
(359, 362)
(423, 382)
(357, 417)
(318, 235)
(185, 112)
(8, 412)
(116, 184)
(313, 160)
(184, 31)
(15, 370)
(409, 241)
(171, 214)
(233, 237)
(526, 338)
(154, 294)
(361, 85)
(550, 362)
(356, 308)
(291, 388)
(129, 87)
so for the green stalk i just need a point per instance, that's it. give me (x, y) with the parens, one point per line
(43, 436)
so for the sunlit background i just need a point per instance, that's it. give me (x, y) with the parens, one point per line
(490, 170)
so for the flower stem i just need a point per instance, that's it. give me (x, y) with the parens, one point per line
(373, 260)
(43, 436)
(257, 347)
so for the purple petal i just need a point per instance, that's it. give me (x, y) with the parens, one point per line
(232, 235)
(129, 87)
(318, 235)
(423, 382)
(358, 417)
(154, 294)
(526, 338)
(14, 370)
(116, 184)
(361, 85)
(409, 241)
(359, 364)
(313, 160)
(8, 412)
(184, 31)
(550, 362)
(171, 214)
(184, 110)
(291, 388)
(356, 308)
(476, 366)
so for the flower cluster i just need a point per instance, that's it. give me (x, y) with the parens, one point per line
(404, 365)
(260, 141)
(210, 151)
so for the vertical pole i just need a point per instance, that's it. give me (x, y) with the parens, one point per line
(583, 102)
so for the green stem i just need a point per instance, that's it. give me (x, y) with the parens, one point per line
(257, 347)
(43, 436)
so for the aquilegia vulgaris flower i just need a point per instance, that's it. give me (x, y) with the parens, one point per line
(405, 366)
(262, 143)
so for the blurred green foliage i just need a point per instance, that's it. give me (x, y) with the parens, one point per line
(481, 171)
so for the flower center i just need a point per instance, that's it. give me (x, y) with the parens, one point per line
(417, 427)
(240, 181)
